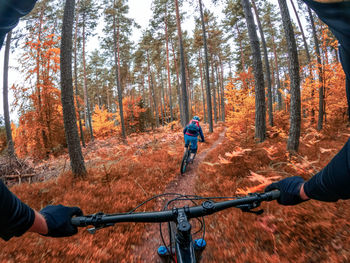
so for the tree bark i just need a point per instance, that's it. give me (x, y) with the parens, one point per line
(207, 82)
(76, 78)
(202, 86)
(295, 104)
(267, 65)
(302, 33)
(260, 108)
(214, 92)
(168, 69)
(178, 86)
(183, 68)
(86, 95)
(10, 144)
(320, 73)
(67, 96)
(117, 64)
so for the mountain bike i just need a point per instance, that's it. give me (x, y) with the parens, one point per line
(186, 158)
(182, 247)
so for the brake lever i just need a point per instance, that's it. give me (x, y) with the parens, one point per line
(247, 208)
(93, 230)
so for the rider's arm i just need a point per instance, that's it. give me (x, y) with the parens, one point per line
(333, 182)
(10, 12)
(15, 217)
(185, 130)
(201, 133)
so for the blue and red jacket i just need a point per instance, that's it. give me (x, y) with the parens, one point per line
(194, 134)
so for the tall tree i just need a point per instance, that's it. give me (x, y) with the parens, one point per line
(267, 65)
(295, 104)
(10, 144)
(118, 29)
(76, 74)
(302, 33)
(89, 15)
(67, 96)
(260, 108)
(168, 63)
(320, 72)
(207, 82)
(270, 19)
(183, 67)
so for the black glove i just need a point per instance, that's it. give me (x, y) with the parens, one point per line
(58, 220)
(290, 190)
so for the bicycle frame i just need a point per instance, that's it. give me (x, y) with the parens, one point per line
(184, 248)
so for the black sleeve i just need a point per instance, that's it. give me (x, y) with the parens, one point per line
(15, 217)
(10, 12)
(333, 182)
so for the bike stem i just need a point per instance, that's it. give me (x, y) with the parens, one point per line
(184, 243)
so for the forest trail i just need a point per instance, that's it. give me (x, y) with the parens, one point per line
(182, 184)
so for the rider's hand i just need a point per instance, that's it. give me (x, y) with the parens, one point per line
(290, 190)
(58, 219)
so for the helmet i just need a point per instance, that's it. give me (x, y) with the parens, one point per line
(196, 118)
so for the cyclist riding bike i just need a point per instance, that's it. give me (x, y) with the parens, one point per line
(191, 133)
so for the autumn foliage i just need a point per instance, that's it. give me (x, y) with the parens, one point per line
(39, 132)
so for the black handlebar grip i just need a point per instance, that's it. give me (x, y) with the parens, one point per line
(76, 221)
(275, 194)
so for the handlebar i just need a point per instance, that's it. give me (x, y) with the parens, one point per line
(206, 208)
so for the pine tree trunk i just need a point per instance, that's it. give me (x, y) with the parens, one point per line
(168, 69)
(178, 87)
(183, 68)
(320, 73)
(302, 33)
(117, 64)
(161, 100)
(154, 101)
(10, 144)
(267, 65)
(207, 82)
(67, 96)
(222, 91)
(202, 86)
(76, 78)
(214, 93)
(218, 85)
(86, 95)
(295, 104)
(279, 95)
(260, 108)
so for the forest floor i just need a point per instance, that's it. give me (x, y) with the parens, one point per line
(121, 176)
(182, 184)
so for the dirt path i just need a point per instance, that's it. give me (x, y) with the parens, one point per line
(181, 184)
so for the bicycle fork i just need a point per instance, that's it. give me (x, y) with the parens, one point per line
(185, 251)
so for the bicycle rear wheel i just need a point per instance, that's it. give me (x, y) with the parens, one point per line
(184, 162)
